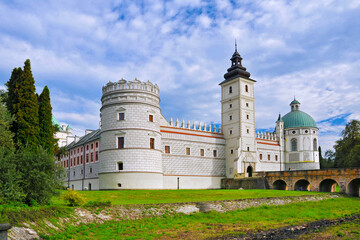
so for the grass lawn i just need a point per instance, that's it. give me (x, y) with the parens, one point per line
(205, 225)
(125, 197)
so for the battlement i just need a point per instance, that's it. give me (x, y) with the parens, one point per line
(131, 85)
(199, 127)
(266, 135)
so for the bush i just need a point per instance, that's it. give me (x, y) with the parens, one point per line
(98, 204)
(73, 198)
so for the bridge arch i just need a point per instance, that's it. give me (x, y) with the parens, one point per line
(328, 185)
(302, 185)
(280, 185)
(353, 188)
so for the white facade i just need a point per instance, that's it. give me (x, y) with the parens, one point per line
(137, 148)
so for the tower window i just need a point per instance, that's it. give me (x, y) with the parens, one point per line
(231, 151)
(167, 149)
(247, 131)
(315, 144)
(87, 158)
(248, 148)
(96, 156)
(293, 145)
(90, 170)
(81, 159)
(214, 153)
(121, 116)
(230, 117)
(230, 132)
(92, 157)
(152, 143)
(202, 152)
(121, 141)
(293, 132)
(260, 156)
(187, 151)
(230, 106)
(268, 156)
(246, 88)
(230, 89)
(247, 104)
(120, 166)
(247, 116)
(276, 157)
(96, 144)
(151, 118)
(306, 131)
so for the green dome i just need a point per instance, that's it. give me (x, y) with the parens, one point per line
(295, 102)
(298, 118)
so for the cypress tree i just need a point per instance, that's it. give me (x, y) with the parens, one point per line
(12, 99)
(46, 136)
(26, 109)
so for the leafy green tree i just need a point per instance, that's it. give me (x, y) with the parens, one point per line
(46, 135)
(330, 158)
(10, 179)
(41, 175)
(26, 109)
(347, 149)
(6, 136)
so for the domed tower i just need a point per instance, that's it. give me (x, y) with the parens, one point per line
(130, 156)
(301, 139)
(238, 118)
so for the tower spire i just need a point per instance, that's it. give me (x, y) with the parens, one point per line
(235, 45)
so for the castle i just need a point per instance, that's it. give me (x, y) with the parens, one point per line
(137, 148)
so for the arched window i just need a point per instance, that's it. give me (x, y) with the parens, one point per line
(230, 89)
(315, 144)
(246, 88)
(293, 145)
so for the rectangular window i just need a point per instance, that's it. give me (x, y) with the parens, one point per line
(81, 159)
(151, 118)
(247, 104)
(231, 151)
(78, 151)
(96, 156)
(268, 156)
(247, 131)
(92, 146)
(187, 151)
(90, 170)
(260, 156)
(202, 152)
(230, 106)
(230, 132)
(167, 149)
(121, 142)
(120, 166)
(152, 143)
(230, 89)
(276, 157)
(248, 148)
(87, 158)
(87, 147)
(247, 116)
(97, 144)
(214, 153)
(92, 157)
(78, 162)
(121, 116)
(230, 117)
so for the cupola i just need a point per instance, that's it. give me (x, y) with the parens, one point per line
(236, 69)
(295, 105)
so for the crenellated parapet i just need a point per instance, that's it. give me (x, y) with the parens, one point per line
(266, 135)
(196, 126)
(131, 85)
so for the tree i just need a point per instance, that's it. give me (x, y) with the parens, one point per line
(6, 136)
(322, 160)
(41, 175)
(347, 149)
(46, 135)
(12, 98)
(26, 110)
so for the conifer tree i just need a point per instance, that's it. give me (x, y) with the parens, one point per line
(12, 99)
(46, 136)
(26, 110)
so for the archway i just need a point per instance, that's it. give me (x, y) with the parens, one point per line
(280, 185)
(249, 171)
(353, 188)
(302, 185)
(329, 185)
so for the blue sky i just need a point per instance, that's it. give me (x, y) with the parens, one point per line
(307, 49)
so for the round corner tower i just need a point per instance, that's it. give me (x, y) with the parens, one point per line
(131, 156)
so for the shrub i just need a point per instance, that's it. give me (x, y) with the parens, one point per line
(94, 204)
(73, 198)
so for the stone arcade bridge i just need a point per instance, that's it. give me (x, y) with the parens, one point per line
(345, 180)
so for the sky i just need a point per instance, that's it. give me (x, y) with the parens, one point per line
(307, 49)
